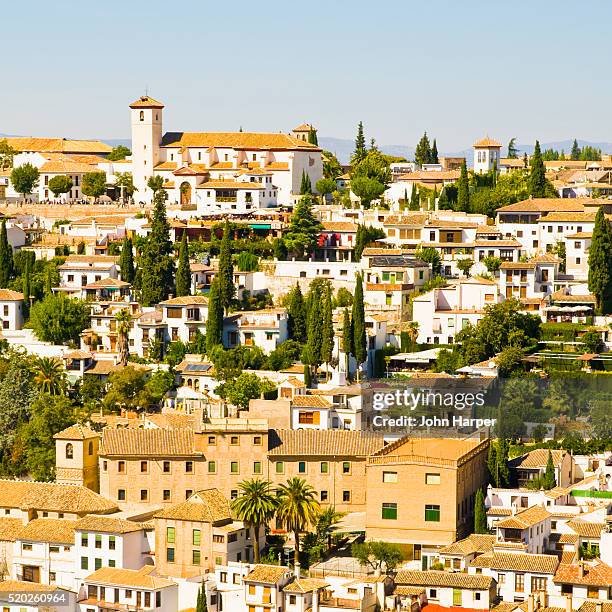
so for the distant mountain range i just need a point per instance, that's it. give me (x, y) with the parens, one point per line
(343, 147)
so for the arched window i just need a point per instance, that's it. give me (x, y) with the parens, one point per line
(69, 451)
(142, 115)
(90, 448)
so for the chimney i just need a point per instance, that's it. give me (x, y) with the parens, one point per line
(581, 569)
(599, 606)
(296, 570)
(315, 602)
(568, 604)
(530, 606)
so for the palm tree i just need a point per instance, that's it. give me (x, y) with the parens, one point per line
(413, 332)
(297, 508)
(327, 523)
(124, 321)
(255, 506)
(49, 375)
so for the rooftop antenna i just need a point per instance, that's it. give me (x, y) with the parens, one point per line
(147, 91)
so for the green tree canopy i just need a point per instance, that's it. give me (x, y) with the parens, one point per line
(537, 174)
(126, 261)
(94, 184)
(59, 319)
(303, 230)
(118, 153)
(25, 179)
(183, 271)
(60, 184)
(600, 258)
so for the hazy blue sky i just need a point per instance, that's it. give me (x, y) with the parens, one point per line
(527, 68)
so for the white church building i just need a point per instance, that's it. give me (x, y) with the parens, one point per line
(209, 172)
(486, 155)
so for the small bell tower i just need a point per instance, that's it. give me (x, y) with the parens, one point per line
(76, 457)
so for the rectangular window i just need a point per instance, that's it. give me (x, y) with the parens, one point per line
(144, 466)
(189, 467)
(98, 541)
(112, 542)
(212, 467)
(279, 467)
(324, 467)
(257, 467)
(234, 440)
(170, 555)
(166, 495)
(212, 440)
(158, 601)
(121, 494)
(389, 511)
(195, 540)
(121, 466)
(519, 583)
(144, 495)
(389, 477)
(97, 564)
(538, 583)
(257, 440)
(166, 467)
(83, 539)
(432, 479)
(301, 467)
(84, 563)
(324, 496)
(170, 535)
(346, 467)
(432, 513)
(234, 467)
(195, 557)
(346, 496)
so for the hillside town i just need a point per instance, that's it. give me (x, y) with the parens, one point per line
(217, 351)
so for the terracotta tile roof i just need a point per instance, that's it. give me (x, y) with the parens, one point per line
(407, 219)
(544, 205)
(21, 586)
(207, 506)
(580, 235)
(76, 432)
(593, 606)
(148, 442)
(146, 102)
(586, 529)
(221, 184)
(569, 216)
(8, 295)
(339, 226)
(106, 524)
(310, 401)
(56, 531)
(10, 528)
(437, 176)
(107, 283)
(171, 421)
(541, 564)
(268, 574)
(235, 140)
(305, 585)
(53, 497)
(142, 578)
(474, 543)
(304, 127)
(67, 167)
(287, 442)
(526, 518)
(435, 578)
(58, 145)
(561, 296)
(567, 556)
(186, 300)
(408, 590)
(538, 458)
(596, 573)
(569, 538)
(166, 165)
(487, 142)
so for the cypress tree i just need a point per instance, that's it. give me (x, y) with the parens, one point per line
(6, 257)
(503, 469)
(405, 203)
(359, 331)
(227, 289)
(306, 185)
(312, 137)
(347, 338)
(183, 271)
(434, 198)
(126, 261)
(434, 153)
(26, 287)
(480, 513)
(575, 154)
(415, 203)
(600, 263)
(492, 464)
(360, 146)
(422, 153)
(307, 376)
(537, 175)
(48, 281)
(312, 352)
(463, 190)
(297, 315)
(214, 322)
(550, 481)
(157, 265)
(327, 334)
(443, 203)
